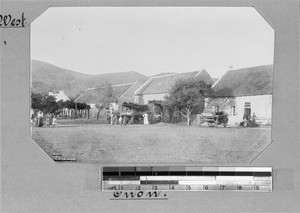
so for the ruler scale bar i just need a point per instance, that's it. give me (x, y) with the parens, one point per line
(190, 173)
(187, 178)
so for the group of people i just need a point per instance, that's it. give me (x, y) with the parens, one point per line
(249, 120)
(128, 118)
(38, 119)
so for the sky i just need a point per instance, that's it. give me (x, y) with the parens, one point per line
(152, 40)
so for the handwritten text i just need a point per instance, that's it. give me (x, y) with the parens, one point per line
(9, 21)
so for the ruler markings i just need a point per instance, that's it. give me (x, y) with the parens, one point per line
(177, 178)
(122, 182)
(187, 178)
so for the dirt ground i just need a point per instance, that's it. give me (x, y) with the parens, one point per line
(159, 143)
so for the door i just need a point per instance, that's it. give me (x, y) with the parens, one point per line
(247, 109)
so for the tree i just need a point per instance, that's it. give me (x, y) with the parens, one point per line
(70, 104)
(36, 101)
(46, 104)
(186, 94)
(50, 105)
(105, 98)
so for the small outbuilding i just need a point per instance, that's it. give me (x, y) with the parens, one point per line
(59, 96)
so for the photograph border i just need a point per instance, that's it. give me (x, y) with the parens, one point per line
(31, 181)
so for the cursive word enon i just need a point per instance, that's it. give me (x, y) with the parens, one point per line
(140, 195)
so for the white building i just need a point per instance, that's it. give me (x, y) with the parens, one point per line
(120, 93)
(157, 87)
(60, 96)
(244, 91)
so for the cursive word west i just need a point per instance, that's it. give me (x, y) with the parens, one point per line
(9, 21)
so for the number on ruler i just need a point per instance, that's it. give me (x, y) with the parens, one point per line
(121, 187)
(112, 187)
(205, 187)
(154, 187)
(172, 187)
(256, 187)
(188, 187)
(222, 187)
(138, 188)
(240, 187)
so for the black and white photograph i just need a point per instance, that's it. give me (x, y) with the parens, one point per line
(149, 106)
(117, 85)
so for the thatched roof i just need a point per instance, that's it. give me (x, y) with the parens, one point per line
(96, 95)
(163, 84)
(245, 82)
(129, 94)
(204, 76)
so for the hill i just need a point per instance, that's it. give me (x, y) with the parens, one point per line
(47, 77)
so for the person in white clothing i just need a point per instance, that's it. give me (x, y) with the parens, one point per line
(145, 115)
(54, 121)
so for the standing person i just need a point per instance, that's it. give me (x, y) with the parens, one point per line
(40, 119)
(125, 120)
(175, 118)
(145, 115)
(120, 120)
(47, 119)
(36, 119)
(54, 121)
(254, 117)
(112, 118)
(32, 118)
(245, 118)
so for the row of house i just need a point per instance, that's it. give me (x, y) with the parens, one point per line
(120, 93)
(237, 92)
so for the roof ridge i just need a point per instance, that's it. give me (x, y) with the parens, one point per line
(143, 85)
(94, 88)
(266, 65)
(128, 89)
(200, 71)
(118, 85)
(217, 81)
(160, 76)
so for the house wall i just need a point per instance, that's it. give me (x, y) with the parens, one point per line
(261, 105)
(143, 99)
(223, 103)
(167, 114)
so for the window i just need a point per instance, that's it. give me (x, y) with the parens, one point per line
(232, 110)
(217, 108)
(247, 104)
